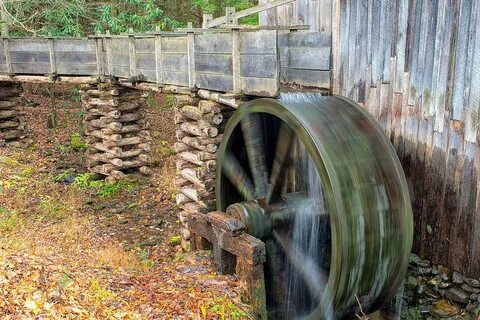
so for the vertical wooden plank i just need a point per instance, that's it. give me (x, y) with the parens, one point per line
(344, 45)
(432, 44)
(325, 12)
(361, 64)
(375, 42)
(415, 21)
(158, 58)
(401, 42)
(461, 58)
(108, 49)
(8, 59)
(99, 56)
(51, 51)
(336, 30)
(387, 32)
(418, 74)
(352, 46)
(191, 59)
(132, 53)
(237, 85)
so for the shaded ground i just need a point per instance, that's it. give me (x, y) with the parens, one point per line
(73, 248)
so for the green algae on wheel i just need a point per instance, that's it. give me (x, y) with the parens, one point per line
(318, 181)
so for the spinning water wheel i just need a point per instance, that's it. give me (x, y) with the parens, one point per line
(317, 180)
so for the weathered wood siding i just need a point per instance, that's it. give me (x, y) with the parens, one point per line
(315, 13)
(415, 66)
(305, 59)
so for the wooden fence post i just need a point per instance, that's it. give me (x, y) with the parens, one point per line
(206, 19)
(8, 60)
(191, 56)
(132, 54)
(51, 49)
(108, 49)
(158, 56)
(236, 64)
(99, 53)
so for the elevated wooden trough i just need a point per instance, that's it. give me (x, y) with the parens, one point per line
(251, 62)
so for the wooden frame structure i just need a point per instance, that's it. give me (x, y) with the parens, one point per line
(251, 62)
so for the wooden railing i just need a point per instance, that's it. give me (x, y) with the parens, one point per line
(231, 17)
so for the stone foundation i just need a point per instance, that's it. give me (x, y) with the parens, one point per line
(12, 128)
(436, 291)
(200, 124)
(116, 129)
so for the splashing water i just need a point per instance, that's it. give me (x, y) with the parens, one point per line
(310, 238)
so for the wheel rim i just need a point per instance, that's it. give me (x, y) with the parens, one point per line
(365, 194)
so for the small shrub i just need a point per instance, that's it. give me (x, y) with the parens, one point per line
(175, 240)
(75, 94)
(103, 190)
(170, 102)
(62, 176)
(77, 142)
(151, 101)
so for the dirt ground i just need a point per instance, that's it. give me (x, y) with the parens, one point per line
(75, 248)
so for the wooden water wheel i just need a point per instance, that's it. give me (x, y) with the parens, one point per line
(317, 180)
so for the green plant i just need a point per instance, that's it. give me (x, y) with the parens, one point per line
(52, 208)
(84, 180)
(53, 118)
(9, 220)
(175, 240)
(102, 189)
(100, 293)
(62, 176)
(75, 94)
(65, 281)
(151, 101)
(77, 142)
(169, 102)
(144, 257)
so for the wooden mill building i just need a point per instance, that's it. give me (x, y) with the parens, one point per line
(412, 64)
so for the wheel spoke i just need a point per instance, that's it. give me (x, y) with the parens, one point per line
(238, 177)
(314, 278)
(284, 142)
(253, 136)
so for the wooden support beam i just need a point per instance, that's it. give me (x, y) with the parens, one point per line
(237, 85)
(53, 62)
(191, 57)
(8, 59)
(132, 54)
(158, 58)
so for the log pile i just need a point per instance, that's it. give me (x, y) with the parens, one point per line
(200, 124)
(12, 129)
(117, 131)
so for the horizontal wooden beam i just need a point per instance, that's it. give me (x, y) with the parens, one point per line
(247, 12)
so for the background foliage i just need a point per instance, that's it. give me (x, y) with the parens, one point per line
(86, 17)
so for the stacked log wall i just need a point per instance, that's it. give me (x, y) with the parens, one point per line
(12, 127)
(200, 124)
(116, 129)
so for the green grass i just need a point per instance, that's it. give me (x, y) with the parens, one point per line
(86, 181)
(9, 220)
